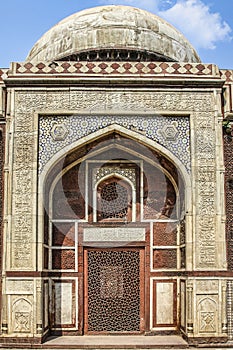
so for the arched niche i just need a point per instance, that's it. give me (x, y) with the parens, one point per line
(154, 185)
(114, 199)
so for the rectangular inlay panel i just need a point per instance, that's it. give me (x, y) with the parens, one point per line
(113, 234)
(164, 303)
(63, 303)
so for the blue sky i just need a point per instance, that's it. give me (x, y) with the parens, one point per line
(207, 24)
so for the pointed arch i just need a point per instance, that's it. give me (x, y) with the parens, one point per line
(137, 137)
(114, 176)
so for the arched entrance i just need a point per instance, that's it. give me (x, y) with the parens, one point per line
(114, 239)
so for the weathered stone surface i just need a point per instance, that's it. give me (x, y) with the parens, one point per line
(109, 27)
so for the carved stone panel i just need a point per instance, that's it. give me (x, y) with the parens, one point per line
(209, 306)
(205, 155)
(113, 234)
(16, 286)
(22, 315)
(56, 131)
(207, 313)
(164, 308)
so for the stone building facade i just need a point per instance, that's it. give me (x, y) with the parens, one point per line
(115, 184)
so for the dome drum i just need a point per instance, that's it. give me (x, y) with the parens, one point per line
(117, 55)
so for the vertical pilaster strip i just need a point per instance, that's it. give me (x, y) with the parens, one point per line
(230, 309)
(39, 307)
(190, 307)
(224, 307)
(206, 257)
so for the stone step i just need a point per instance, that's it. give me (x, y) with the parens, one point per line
(107, 342)
(94, 342)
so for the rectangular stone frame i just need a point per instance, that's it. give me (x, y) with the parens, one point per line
(24, 238)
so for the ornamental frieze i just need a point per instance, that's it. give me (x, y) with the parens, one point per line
(171, 132)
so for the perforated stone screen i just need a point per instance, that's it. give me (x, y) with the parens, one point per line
(114, 291)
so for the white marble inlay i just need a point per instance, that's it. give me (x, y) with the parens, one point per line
(182, 302)
(113, 234)
(46, 305)
(164, 303)
(63, 303)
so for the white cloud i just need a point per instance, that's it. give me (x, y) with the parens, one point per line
(202, 27)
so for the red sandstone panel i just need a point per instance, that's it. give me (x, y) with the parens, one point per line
(63, 259)
(46, 258)
(165, 259)
(63, 234)
(165, 233)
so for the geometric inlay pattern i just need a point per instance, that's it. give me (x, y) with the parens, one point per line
(153, 127)
(120, 68)
(99, 173)
(59, 132)
(229, 309)
(114, 291)
(114, 201)
(226, 74)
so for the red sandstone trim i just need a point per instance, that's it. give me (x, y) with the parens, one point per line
(227, 75)
(114, 68)
(172, 273)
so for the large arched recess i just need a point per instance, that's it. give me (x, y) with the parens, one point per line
(135, 164)
(56, 163)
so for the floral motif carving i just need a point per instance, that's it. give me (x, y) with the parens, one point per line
(59, 132)
(207, 322)
(22, 320)
(22, 312)
(207, 314)
(170, 132)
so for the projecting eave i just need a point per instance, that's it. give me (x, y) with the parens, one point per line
(126, 82)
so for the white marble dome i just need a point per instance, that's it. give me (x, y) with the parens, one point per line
(109, 28)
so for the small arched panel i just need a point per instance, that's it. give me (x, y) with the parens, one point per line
(114, 200)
